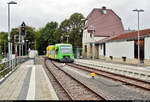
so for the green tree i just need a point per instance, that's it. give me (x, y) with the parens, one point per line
(46, 36)
(3, 43)
(77, 24)
(30, 36)
(74, 28)
(57, 35)
(39, 40)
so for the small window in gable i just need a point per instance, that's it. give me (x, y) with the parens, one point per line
(104, 12)
(91, 35)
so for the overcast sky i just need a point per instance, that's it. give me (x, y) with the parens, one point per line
(37, 13)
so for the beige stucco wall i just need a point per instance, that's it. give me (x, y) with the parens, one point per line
(86, 40)
(120, 49)
(147, 48)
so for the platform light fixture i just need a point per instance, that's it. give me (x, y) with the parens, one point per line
(138, 11)
(9, 52)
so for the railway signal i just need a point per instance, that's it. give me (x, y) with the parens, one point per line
(23, 29)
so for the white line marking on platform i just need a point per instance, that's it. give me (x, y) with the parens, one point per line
(53, 93)
(31, 90)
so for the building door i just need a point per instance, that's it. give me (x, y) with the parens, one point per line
(141, 49)
(104, 49)
(90, 50)
(96, 51)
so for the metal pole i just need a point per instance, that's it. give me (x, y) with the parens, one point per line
(16, 49)
(67, 39)
(19, 43)
(138, 41)
(93, 45)
(22, 49)
(22, 45)
(138, 11)
(8, 32)
(11, 51)
(25, 47)
(35, 44)
(4, 49)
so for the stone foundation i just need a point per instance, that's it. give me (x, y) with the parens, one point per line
(124, 60)
(102, 57)
(147, 61)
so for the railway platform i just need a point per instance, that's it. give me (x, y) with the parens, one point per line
(27, 82)
(140, 72)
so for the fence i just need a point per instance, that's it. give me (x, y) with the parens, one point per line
(7, 67)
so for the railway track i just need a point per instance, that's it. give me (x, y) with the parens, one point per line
(127, 80)
(61, 92)
(74, 89)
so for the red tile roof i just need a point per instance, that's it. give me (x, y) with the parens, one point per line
(104, 24)
(125, 36)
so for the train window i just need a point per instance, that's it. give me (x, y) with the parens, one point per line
(56, 51)
(66, 49)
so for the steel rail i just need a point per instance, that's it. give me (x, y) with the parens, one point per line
(89, 69)
(71, 97)
(80, 82)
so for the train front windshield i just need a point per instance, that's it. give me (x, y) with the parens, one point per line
(66, 49)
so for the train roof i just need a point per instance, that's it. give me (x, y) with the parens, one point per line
(50, 47)
(53, 46)
(63, 44)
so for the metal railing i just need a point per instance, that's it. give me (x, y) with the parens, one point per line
(7, 67)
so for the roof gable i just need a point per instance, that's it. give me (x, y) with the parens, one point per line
(104, 24)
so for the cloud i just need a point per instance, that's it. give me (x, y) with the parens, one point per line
(37, 13)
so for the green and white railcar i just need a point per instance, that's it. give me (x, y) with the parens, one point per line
(61, 52)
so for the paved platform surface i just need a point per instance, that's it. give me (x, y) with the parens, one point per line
(140, 72)
(28, 82)
(113, 63)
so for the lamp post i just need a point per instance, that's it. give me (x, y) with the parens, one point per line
(9, 52)
(15, 44)
(26, 46)
(67, 36)
(138, 10)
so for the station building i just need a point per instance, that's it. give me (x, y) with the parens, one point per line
(124, 47)
(101, 23)
(105, 33)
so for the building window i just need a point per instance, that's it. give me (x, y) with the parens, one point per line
(101, 46)
(91, 35)
(104, 12)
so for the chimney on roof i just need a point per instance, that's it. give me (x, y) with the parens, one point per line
(104, 10)
(104, 7)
